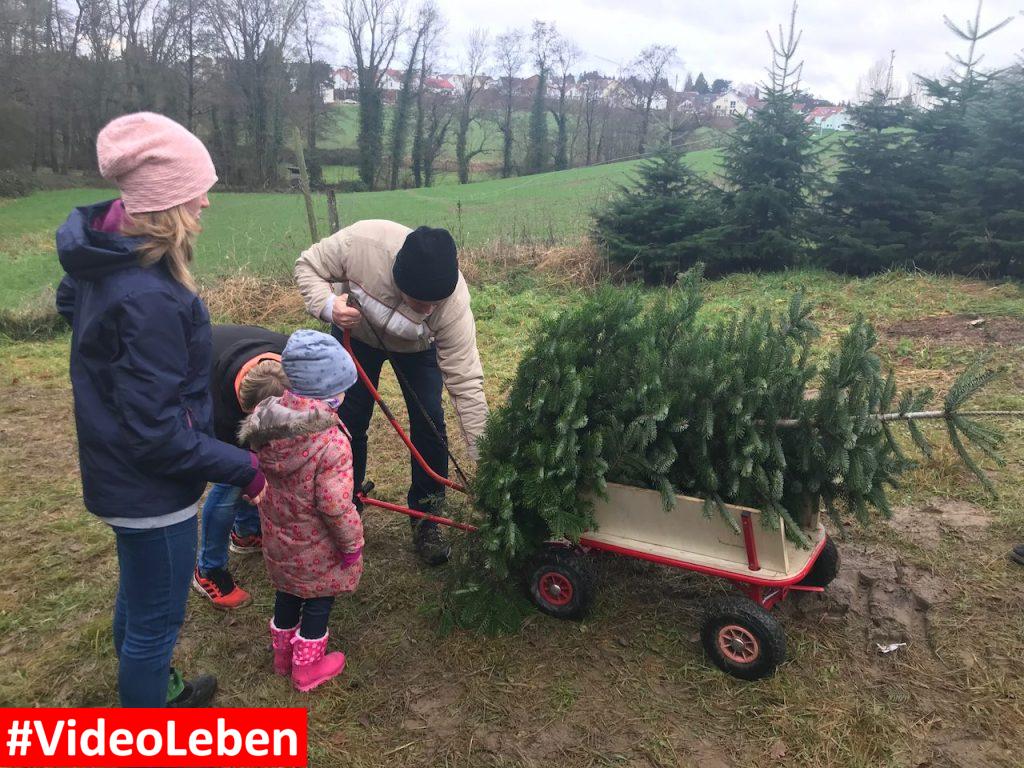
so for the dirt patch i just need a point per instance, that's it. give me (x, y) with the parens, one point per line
(926, 525)
(959, 330)
(879, 595)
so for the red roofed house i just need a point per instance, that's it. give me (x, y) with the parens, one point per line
(829, 118)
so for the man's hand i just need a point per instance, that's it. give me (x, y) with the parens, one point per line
(344, 316)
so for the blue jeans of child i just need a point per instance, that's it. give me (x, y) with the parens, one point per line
(224, 508)
(155, 571)
(424, 378)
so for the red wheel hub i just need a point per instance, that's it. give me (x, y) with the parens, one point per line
(738, 644)
(555, 588)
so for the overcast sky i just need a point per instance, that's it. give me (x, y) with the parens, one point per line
(726, 38)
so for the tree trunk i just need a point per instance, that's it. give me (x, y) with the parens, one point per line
(506, 130)
(461, 150)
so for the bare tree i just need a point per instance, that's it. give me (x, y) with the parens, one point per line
(510, 54)
(543, 39)
(648, 78)
(566, 54)
(438, 116)
(422, 160)
(427, 18)
(254, 35)
(472, 84)
(879, 80)
(373, 28)
(591, 87)
(314, 74)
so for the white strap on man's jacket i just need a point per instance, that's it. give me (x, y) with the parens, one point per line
(358, 260)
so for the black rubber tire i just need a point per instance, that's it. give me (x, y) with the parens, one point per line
(825, 568)
(559, 568)
(735, 611)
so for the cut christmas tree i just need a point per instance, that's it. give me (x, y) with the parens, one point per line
(656, 394)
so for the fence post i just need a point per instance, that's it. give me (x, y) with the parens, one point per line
(333, 221)
(304, 186)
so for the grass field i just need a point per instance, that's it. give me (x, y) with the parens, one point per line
(628, 686)
(264, 233)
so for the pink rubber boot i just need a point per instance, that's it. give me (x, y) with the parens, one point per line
(282, 641)
(310, 667)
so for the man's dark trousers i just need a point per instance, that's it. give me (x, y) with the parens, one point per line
(422, 375)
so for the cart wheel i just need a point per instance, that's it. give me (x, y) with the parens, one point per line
(742, 638)
(560, 584)
(825, 568)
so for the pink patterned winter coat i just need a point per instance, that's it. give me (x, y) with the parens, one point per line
(312, 534)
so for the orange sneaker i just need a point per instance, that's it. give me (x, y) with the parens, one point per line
(219, 588)
(246, 545)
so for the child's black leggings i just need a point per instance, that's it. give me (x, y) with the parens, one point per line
(312, 611)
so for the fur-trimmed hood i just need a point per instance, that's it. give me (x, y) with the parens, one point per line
(284, 418)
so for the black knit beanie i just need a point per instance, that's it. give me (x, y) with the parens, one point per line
(427, 267)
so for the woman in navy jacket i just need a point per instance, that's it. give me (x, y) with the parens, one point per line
(140, 371)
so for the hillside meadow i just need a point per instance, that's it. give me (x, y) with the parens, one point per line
(264, 233)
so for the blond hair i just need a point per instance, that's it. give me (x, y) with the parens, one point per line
(169, 236)
(265, 379)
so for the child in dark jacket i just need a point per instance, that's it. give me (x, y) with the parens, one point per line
(246, 370)
(140, 363)
(312, 535)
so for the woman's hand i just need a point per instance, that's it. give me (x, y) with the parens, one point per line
(259, 497)
(344, 316)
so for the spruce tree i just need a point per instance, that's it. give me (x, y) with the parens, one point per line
(657, 395)
(944, 144)
(770, 170)
(653, 225)
(701, 85)
(872, 214)
(992, 218)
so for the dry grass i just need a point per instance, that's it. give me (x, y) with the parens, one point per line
(561, 266)
(254, 300)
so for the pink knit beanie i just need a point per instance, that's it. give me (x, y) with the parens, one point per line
(155, 162)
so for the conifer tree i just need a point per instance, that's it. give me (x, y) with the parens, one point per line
(988, 233)
(661, 397)
(701, 85)
(944, 141)
(770, 170)
(872, 213)
(653, 225)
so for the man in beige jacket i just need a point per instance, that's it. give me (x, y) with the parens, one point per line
(408, 291)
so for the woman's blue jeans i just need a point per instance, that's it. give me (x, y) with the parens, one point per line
(155, 572)
(224, 508)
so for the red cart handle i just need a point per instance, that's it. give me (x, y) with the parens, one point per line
(347, 342)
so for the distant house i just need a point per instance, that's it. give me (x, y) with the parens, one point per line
(391, 82)
(346, 86)
(829, 118)
(617, 94)
(439, 84)
(730, 103)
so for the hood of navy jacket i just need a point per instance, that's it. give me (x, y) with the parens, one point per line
(87, 253)
(140, 375)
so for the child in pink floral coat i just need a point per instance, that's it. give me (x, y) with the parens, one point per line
(312, 534)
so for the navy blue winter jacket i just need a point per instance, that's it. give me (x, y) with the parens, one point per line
(140, 372)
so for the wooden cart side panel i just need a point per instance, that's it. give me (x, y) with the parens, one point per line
(637, 515)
